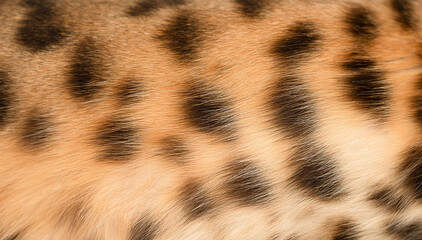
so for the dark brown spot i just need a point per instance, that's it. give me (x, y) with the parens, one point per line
(293, 105)
(86, 71)
(301, 39)
(356, 62)
(144, 229)
(42, 27)
(346, 230)
(119, 139)
(405, 13)
(365, 85)
(37, 129)
(246, 184)
(5, 98)
(361, 23)
(196, 200)
(412, 231)
(209, 109)
(367, 88)
(251, 8)
(175, 149)
(183, 36)
(388, 199)
(147, 7)
(316, 172)
(130, 91)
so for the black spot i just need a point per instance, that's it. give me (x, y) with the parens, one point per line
(386, 198)
(300, 39)
(147, 7)
(346, 231)
(365, 85)
(358, 63)
(42, 27)
(130, 91)
(251, 8)
(246, 184)
(361, 23)
(144, 229)
(412, 170)
(293, 106)
(119, 138)
(405, 12)
(209, 109)
(86, 71)
(404, 231)
(37, 129)
(368, 90)
(174, 149)
(183, 37)
(196, 200)
(5, 98)
(316, 173)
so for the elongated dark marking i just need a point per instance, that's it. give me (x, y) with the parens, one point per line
(405, 14)
(405, 231)
(246, 184)
(183, 36)
(361, 23)
(42, 27)
(356, 63)
(147, 7)
(144, 229)
(196, 200)
(316, 173)
(37, 129)
(293, 106)
(5, 98)
(130, 91)
(368, 90)
(119, 139)
(174, 149)
(251, 8)
(389, 200)
(86, 71)
(411, 168)
(209, 109)
(346, 230)
(300, 39)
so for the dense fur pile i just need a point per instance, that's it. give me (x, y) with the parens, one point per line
(210, 119)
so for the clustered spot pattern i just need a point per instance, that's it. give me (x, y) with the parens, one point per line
(220, 179)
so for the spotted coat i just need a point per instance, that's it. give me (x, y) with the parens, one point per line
(210, 119)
